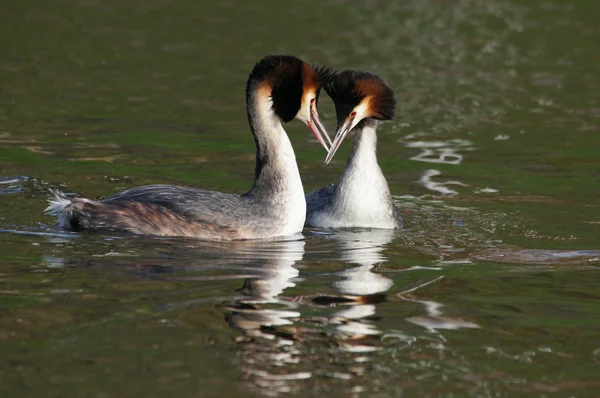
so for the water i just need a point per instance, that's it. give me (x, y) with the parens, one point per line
(493, 160)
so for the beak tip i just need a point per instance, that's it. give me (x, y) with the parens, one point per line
(339, 137)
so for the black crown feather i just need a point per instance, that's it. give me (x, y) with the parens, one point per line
(351, 87)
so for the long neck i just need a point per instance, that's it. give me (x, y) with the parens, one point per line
(363, 176)
(277, 179)
(362, 196)
(363, 158)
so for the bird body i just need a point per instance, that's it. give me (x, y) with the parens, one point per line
(362, 197)
(279, 89)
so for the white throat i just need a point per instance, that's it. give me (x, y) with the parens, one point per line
(294, 199)
(362, 195)
(286, 194)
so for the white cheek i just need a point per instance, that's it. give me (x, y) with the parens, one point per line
(306, 103)
(304, 112)
(361, 110)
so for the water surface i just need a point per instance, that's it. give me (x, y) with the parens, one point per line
(492, 290)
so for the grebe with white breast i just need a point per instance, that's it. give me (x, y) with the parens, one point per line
(362, 197)
(279, 89)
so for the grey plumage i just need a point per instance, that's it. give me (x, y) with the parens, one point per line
(274, 206)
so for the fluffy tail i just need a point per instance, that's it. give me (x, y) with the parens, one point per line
(130, 216)
(61, 206)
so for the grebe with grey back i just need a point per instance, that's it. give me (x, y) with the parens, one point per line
(279, 89)
(362, 197)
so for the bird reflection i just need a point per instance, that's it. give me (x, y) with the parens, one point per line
(258, 308)
(275, 274)
(267, 353)
(360, 289)
(275, 332)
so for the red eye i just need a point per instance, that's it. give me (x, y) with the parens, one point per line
(312, 100)
(353, 114)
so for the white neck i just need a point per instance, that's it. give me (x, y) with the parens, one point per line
(362, 192)
(277, 181)
(362, 166)
(364, 150)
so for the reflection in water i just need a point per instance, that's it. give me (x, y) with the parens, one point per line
(434, 319)
(443, 152)
(439, 187)
(273, 353)
(447, 152)
(267, 321)
(12, 184)
(359, 286)
(580, 258)
(274, 274)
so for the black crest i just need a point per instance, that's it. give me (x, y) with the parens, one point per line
(323, 75)
(283, 73)
(351, 87)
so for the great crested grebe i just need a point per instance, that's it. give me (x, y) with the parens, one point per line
(361, 198)
(280, 88)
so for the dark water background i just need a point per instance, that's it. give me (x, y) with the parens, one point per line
(494, 159)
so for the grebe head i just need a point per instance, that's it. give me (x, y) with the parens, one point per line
(293, 87)
(358, 95)
(314, 78)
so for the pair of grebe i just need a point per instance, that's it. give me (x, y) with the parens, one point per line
(279, 89)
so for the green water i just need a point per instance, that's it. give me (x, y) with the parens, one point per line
(492, 291)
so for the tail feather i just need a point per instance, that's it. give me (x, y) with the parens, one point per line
(60, 206)
(57, 203)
